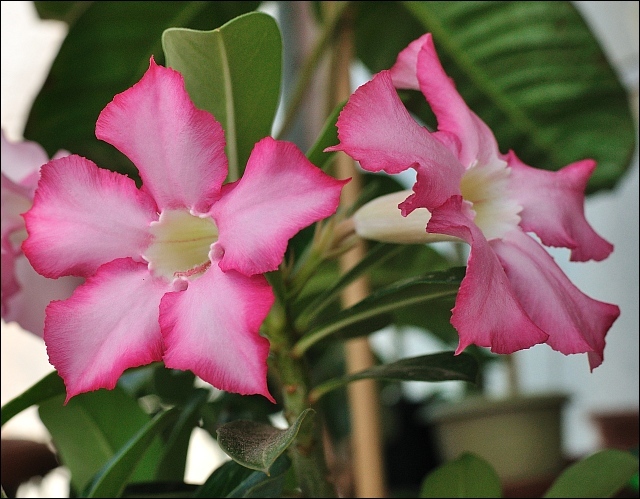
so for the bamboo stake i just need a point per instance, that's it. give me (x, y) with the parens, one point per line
(367, 460)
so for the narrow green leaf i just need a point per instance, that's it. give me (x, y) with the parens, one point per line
(92, 427)
(174, 453)
(106, 51)
(602, 474)
(467, 476)
(444, 366)
(234, 73)
(257, 445)
(113, 477)
(328, 137)
(234, 480)
(49, 386)
(401, 294)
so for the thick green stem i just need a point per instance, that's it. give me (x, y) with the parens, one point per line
(307, 452)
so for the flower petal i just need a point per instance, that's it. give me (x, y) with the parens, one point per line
(553, 207)
(476, 140)
(280, 193)
(109, 324)
(575, 322)
(22, 160)
(178, 149)
(27, 305)
(487, 311)
(403, 72)
(84, 216)
(375, 129)
(212, 329)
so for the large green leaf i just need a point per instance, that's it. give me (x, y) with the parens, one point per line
(602, 474)
(234, 480)
(467, 476)
(444, 366)
(111, 480)
(532, 70)
(106, 51)
(49, 386)
(92, 427)
(234, 73)
(257, 445)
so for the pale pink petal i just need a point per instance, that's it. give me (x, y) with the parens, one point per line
(9, 281)
(553, 207)
(280, 193)
(178, 149)
(212, 329)
(109, 324)
(477, 142)
(20, 160)
(375, 129)
(16, 199)
(487, 311)
(575, 322)
(27, 306)
(403, 72)
(84, 216)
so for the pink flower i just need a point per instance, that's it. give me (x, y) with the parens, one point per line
(174, 269)
(25, 294)
(513, 295)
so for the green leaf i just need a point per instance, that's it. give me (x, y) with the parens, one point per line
(467, 476)
(174, 453)
(533, 71)
(257, 445)
(602, 474)
(234, 480)
(49, 386)
(328, 137)
(408, 292)
(92, 427)
(234, 73)
(67, 12)
(113, 477)
(444, 366)
(106, 51)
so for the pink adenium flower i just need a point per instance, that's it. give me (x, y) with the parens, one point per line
(25, 293)
(513, 295)
(174, 269)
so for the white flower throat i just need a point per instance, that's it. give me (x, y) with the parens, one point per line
(486, 188)
(181, 244)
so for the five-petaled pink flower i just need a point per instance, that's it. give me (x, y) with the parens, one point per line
(513, 295)
(25, 293)
(174, 269)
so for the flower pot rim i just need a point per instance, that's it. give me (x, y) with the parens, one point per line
(481, 405)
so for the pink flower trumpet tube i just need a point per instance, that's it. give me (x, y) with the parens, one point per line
(25, 293)
(174, 269)
(514, 295)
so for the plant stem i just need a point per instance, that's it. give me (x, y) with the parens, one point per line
(307, 453)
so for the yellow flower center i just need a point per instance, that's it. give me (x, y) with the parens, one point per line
(485, 188)
(181, 244)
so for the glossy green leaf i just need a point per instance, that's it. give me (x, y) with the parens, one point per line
(257, 445)
(467, 476)
(444, 366)
(234, 73)
(106, 51)
(91, 429)
(234, 480)
(533, 71)
(49, 386)
(602, 474)
(327, 137)
(111, 480)
(174, 452)
(407, 292)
